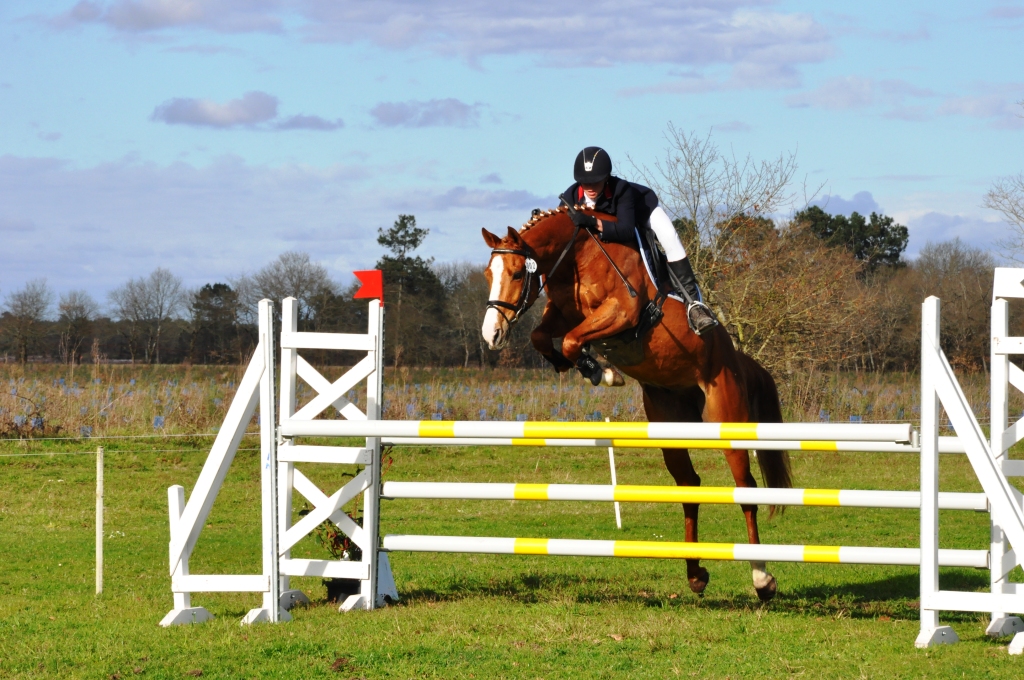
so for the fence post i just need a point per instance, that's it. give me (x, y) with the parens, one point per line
(99, 520)
(931, 632)
(1001, 623)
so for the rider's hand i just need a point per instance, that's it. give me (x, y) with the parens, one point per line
(582, 221)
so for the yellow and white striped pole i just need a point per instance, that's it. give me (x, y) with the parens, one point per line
(678, 550)
(830, 432)
(946, 444)
(624, 493)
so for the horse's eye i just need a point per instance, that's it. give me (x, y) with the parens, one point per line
(518, 275)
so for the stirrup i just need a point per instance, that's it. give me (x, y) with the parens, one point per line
(708, 317)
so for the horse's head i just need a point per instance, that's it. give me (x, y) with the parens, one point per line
(515, 283)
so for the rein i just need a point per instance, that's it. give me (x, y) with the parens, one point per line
(519, 307)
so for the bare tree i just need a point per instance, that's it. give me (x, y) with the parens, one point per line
(1007, 197)
(77, 311)
(143, 305)
(166, 297)
(703, 190)
(466, 292)
(292, 274)
(128, 304)
(787, 299)
(26, 309)
(961, 275)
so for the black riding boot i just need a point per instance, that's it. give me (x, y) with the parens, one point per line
(683, 280)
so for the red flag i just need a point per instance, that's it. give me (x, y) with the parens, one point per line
(373, 284)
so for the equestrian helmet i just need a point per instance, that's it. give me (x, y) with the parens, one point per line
(593, 165)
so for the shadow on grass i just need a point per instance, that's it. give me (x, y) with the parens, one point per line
(895, 597)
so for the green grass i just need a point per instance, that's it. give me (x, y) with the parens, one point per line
(472, 616)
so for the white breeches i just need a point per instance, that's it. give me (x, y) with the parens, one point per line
(667, 236)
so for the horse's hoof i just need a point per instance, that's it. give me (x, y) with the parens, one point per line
(766, 593)
(612, 378)
(699, 582)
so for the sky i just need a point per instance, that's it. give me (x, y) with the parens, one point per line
(210, 136)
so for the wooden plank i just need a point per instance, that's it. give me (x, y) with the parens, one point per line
(220, 583)
(340, 455)
(326, 568)
(200, 502)
(352, 341)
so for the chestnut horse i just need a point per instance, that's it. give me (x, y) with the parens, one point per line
(685, 377)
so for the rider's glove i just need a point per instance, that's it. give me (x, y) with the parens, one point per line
(582, 220)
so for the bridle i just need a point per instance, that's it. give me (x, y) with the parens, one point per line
(523, 302)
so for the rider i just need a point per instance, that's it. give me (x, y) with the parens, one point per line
(636, 208)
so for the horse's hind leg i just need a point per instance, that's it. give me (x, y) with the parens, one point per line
(726, 402)
(663, 405)
(739, 464)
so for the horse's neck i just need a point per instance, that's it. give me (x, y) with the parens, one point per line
(549, 238)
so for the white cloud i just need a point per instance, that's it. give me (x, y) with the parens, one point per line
(999, 105)
(862, 202)
(936, 227)
(302, 122)
(855, 92)
(95, 227)
(252, 108)
(434, 113)
(142, 16)
(765, 45)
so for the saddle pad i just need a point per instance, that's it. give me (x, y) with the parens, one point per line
(644, 255)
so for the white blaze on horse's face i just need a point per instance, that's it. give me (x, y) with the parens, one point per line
(495, 329)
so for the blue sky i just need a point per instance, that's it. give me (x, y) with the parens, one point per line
(209, 136)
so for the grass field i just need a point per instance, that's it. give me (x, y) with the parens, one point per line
(471, 616)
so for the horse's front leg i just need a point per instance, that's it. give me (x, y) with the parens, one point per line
(605, 321)
(552, 325)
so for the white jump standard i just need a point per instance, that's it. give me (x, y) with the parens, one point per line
(282, 449)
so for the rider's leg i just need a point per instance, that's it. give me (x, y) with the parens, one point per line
(681, 273)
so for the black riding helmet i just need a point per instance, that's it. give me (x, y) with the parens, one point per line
(592, 165)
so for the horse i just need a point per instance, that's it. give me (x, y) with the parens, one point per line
(593, 296)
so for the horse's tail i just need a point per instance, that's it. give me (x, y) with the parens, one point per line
(765, 407)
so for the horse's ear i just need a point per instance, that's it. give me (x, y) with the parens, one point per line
(490, 239)
(513, 235)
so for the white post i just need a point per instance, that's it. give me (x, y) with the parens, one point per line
(931, 632)
(271, 610)
(611, 464)
(183, 611)
(374, 411)
(286, 471)
(99, 520)
(1001, 623)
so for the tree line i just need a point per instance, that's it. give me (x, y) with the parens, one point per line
(819, 290)
(813, 290)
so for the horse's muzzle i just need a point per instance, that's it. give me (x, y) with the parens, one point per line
(495, 329)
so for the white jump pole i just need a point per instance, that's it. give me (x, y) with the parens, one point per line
(99, 520)
(611, 464)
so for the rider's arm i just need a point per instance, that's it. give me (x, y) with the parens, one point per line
(623, 231)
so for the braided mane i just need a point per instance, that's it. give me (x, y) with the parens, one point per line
(537, 217)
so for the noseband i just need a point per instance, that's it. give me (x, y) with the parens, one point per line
(524, 295)
(521, 304)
